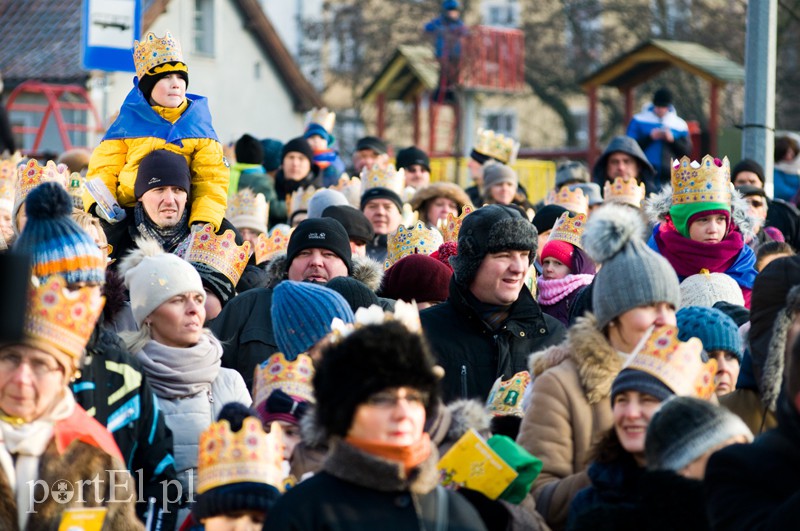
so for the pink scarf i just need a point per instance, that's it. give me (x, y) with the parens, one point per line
(688, 257)
(553, 290)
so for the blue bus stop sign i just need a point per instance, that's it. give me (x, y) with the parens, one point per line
(108, 30)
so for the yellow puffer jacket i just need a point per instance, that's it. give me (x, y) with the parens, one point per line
(116, 162)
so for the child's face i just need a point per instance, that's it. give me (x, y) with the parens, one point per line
(553, 269)
(317, 143)
(169, 91)
(709, 229)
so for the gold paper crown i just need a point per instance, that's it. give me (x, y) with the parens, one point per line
(390, 178)
(417, 239)
(291, 377)
(75, 187)
(62, 319)
(505, 398)
(219, 252)
(322, 117)
(32, 175)
(153, 51)
(625, 190)
(269, 246)
(572, 198)
(569, 228)
(675, 363)
(8, 179)
(351, 188)
(298, 200)
(247, 209)
(496, 146)
(452, 225)
(707, 181)
(247, 456)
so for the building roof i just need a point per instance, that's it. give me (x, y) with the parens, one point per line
(656, 55)
(410, 70)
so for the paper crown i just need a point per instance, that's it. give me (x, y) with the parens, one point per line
(62, 319)
(268, 246)
(247, 456)
(153, 51)
(497, 146)
(350, 187)
(572, 198)
(8, 179)
(32, 175)
(707, 181)
(298, 200)
(676, 363)
(248, 210)
(417, 239)
(75, 187)
(451, 226)
(390, 178)
(569, 228)
(505, 397)
(291, 377)
(322, 117)
(219, 252)
(406, 313)
(625, 190)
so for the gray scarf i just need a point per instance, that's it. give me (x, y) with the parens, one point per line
(181, 372)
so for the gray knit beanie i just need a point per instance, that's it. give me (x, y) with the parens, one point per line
(685, 428)
(496, 173)
(322, 199)
(632, 274)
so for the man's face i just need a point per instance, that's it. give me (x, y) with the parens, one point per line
(417, 176)
(660, 111)
(475, 170)
(358, 248)
(296, 166)
(367, 158)
(621, 164)
(747, 178)
(757, 207)
(316, 265)
(164, 205)
(383, 214)
(500, 277)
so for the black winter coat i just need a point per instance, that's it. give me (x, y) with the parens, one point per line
(472, 355)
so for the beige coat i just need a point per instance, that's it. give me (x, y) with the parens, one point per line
(570, 408)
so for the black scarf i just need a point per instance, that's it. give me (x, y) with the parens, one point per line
(169, 237)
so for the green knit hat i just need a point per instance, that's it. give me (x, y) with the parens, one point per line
(526, 465)
(682, 214)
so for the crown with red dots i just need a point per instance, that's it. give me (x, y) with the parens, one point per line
(32, 175)
(417, 239)
(292, 377)
(451, 226)
(219, 252)
(572, 198)
(569, 228)
(707, 181)
(625, 190)
(268, 246)
(153, 52)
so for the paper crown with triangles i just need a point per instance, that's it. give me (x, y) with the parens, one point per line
(292, 377)
(496, 146)
(321, 117)
(572, 198)
(248, 210)
(405, 313)
(707, 181)
(219, 252)
(31, 175)
(153, 51)
(505, 397)
(350, 187)
(451, 226)
(417, 239)
(247, 456)
(678, 364)
(389, 178)
(8, 179)
(569, 228)
(75, 187)
(625, 190)
(298, 200)
(267, 246)
(60, 320)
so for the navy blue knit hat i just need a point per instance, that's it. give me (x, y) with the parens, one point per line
(272, 153)
(161, 168)
(636, 380)
(713, 327)
(302, 313)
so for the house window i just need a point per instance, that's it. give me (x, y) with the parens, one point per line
(204, 27)
(501, 13)
(501, 121)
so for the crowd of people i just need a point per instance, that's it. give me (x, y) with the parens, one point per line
(262, 337)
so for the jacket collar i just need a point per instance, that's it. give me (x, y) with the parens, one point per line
(525, 315)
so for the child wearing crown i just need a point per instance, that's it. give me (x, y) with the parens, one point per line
(319, 133)
(159, 114)
(700, 222)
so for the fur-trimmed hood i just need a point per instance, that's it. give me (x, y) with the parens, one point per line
(364, 269)
(440, 189)
(773, 366)
(598, 363)
(657, 207)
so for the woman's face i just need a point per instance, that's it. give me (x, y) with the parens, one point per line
(439, 208)
(31, 381)
(632, 411)
(625, 332)
(237, 521)
(727, 371)
(291, 437)
(709, 229)
(393, 416)
(179, 321)
(503, 193)
(553, 269)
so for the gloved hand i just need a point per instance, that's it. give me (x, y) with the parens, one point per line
(119, 214)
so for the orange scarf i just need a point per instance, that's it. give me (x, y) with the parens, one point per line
(409, 456)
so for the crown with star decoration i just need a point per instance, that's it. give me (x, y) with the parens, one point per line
(267, 246)
(298, 200)
(569, 228)
(496, 146)
(350, 187)
(219, 252)
(416, 239)
(389, 178)
(31, 175)
(247, 209)
(707, 181)
(505, 397)
(322, 117)
(292, 377)
(153, 51)
(572, 198)
(451, 226)
(625, 190)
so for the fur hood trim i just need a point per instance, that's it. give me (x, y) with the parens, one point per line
(364, 269)
(465, 415)
(772, 370)
(597, 362)
(440, 189)
(657, 207)
(311, 432)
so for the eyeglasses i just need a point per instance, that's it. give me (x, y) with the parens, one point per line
(11, 361)
(390, 398)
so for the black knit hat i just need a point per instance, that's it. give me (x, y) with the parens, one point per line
(216, 282)
(372, 142)
(662, 97)
(546, 217)
(298, 145)
(149, 81)
(356, 293)
(371, 359)
(748, 165)
(248, 150)
(749, 191)
(413, 155)
(320, 233)
(491, 229)
(162, 168)
(381, 193)
(353, 220)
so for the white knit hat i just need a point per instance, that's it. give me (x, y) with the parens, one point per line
(153, 277)
(706, 289)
